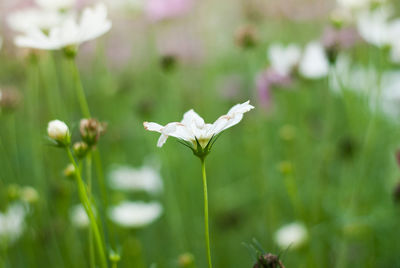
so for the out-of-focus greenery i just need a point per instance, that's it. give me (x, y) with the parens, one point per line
(315, 157)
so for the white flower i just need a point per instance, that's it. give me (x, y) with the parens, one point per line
(56, 4)
(57, 130)
(130, 179)
(291, 236)
(390, 95)
(71, 32)
(135, 214)
(78, 216)
(354, 4)
(27, 20)
(193, 127)
(12, 223)
(314, 63)
(373, 26)
(284, 59)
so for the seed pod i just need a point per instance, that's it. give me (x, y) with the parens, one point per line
(91, 130)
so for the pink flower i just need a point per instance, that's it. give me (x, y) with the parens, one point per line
(265, 81)
(165, 9)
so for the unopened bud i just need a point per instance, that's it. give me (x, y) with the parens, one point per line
(9, 98)
(29, 194)
(268, 260)
(186, 260)
(91, 130)
(59, 132)
(69, 171)
(80, 149)
(246, 36)
(114, 257)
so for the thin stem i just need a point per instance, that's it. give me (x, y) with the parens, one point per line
(88, 208)
(89, 189)
(207, 232)
(79, 89)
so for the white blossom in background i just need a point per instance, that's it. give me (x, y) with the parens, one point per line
(30, 19)
(284, 59)
(135, 214)
(389, 98)
(291, 236)
(193, 127)
(71, 32)
(56, 4)
(78, 216)
(354, 4)
(12, 223)
(127, 178)
(314, 63)
(374, 26)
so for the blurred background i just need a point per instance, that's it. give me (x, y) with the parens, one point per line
(319, 150)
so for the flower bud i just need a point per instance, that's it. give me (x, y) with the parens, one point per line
(69, 171)
(9, 98)
(58, 131)
(91, 130)
(114, 257)
(268, 260)
(80, 149)
(246, 36)
(29, 194)
(186, 260)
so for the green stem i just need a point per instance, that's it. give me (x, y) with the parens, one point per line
(207, 232)
(79, 89)
(89, 187)
(88, 207)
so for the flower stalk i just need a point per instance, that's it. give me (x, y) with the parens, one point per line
(85, 200)
(206, 225)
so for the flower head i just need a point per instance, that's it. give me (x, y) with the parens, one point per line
(284, 59)
(292, 235)
(195, 131)
(12, 223)
(135, 214)
(91, 130)
(314, 63)
(70, 32)
(59, 132)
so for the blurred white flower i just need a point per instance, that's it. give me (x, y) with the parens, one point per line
(390, 95)
(12, 223)
(192, 127)
(131, 179)
(78, 216)
(314, 63)
(374, 26)
(57, 130)
(71, 32)
(284, 59)
(26, 20)
(353, 4)
(56, 4)
(135, 214)
(291, 236)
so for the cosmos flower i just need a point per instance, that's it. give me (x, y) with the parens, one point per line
(135, 214)
(194, 130)
(78, 216)
(12, 223)
(284, 59)
(71, 32)
(291, 236)
(131, 179)
(29, 19)
(314, 63)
